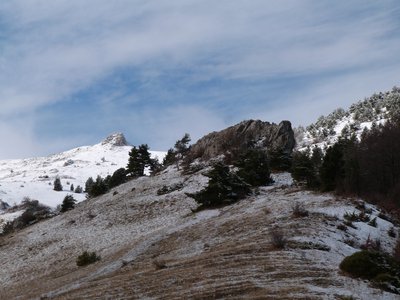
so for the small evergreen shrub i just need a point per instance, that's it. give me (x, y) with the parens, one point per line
(387, 282)
(169, 189)
(369, 264)
(57, 186)
(373, 222)
(87, 258)
(392, 232)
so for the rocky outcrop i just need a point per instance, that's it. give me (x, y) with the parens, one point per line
(4, 205)
(245, 135)
(116, 139)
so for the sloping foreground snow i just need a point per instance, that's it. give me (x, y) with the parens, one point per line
(154, 247)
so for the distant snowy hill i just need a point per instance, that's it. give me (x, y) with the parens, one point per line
(34, 177)
(372, 111)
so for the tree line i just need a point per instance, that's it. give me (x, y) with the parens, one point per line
(369, 167)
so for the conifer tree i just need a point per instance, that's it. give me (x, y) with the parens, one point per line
(139, 159)
(68, 203)
(88, 185)
(254, 167)
(224, 188)
(57, 186)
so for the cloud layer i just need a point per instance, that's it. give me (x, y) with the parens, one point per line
(157, 69)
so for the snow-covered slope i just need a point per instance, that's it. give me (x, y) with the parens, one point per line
(154, 247)
(34, 177)
(365, 114)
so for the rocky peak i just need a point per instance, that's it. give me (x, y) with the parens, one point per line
(115, 139)
(242, 136)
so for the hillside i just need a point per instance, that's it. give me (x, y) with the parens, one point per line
(155, 247)
(34, 177)
(363, 114)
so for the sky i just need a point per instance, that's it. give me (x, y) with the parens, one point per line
(73, 72)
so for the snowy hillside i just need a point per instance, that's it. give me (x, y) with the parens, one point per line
(154, 247)
(370, 112)
(34, 177)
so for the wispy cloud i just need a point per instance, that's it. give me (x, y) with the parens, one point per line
(214, 61)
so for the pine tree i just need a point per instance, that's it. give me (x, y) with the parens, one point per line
(117, 178)
(139, 159)
(304, 168)
(57, 184)
(181, 148)
(88, 185)
(68, 203)
(78, 189)
(170, 158)
(134, 167)
(72, 188)
(98, 188)
(254, 167)
(224, 188)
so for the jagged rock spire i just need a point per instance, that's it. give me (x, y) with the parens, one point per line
(115, 139)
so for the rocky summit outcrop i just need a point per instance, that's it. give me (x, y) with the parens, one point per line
(244, 135)
(115, 139)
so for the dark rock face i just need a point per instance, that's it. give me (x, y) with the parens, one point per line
(245, 135)
(4, 205)
(116, 139)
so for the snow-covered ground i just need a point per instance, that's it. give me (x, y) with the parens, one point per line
(34, 177)
(307, 140)
(154, 247)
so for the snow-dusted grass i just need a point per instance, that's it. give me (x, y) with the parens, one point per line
(223, 253)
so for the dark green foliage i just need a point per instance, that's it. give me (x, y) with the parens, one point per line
(169, 189)
(33, 212)
(78, 189)
(181, 146)
(254, 167)
(139, 159)
(170, 158)
(372, 222)
(387, 282)
(379, 267)
(68, 203)
(279, 160)
(332, 168)
(368, 264)
(392, 232)
(88, 185)
(304, 170)
(179, 152)
(224, 188)
(87, 258)
(72, 188)
(99, 187)
(57, 184)
(117, 178)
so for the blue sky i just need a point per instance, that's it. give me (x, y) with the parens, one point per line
(73, 72)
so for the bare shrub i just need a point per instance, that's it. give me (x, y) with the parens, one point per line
(298, 211)
(278, 238)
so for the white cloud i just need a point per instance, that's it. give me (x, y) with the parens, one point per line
(51, 50)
